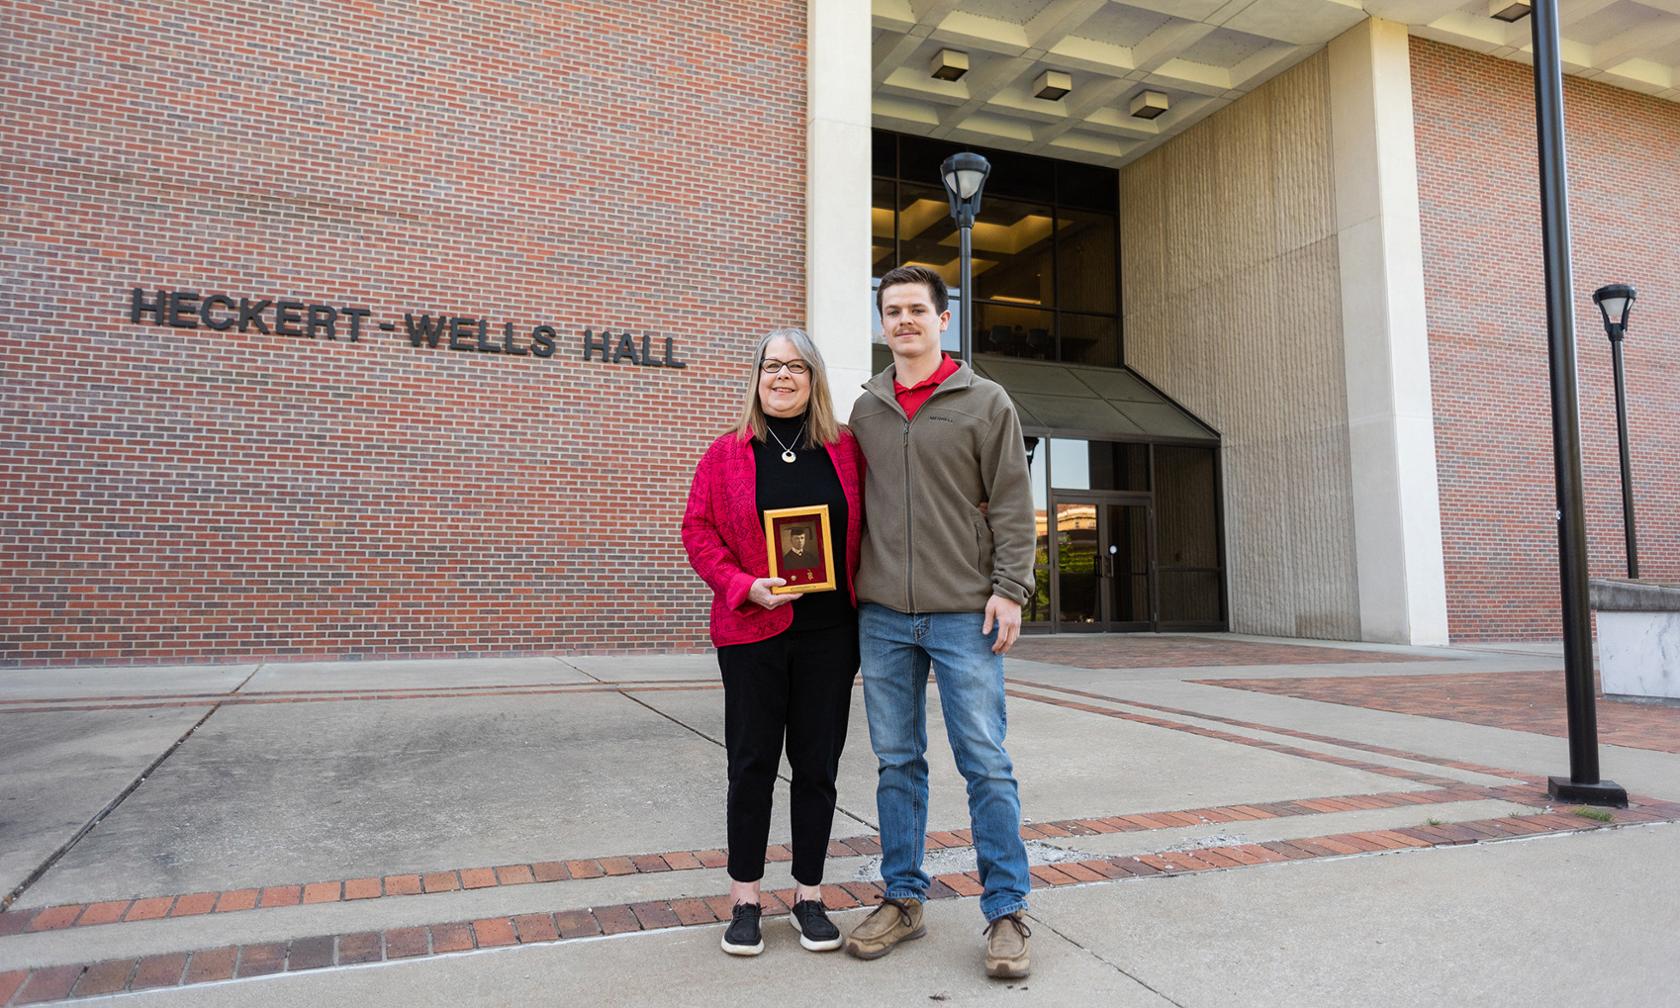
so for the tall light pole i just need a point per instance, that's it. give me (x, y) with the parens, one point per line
(964, 176)
(1583, 783)
(1615, 301)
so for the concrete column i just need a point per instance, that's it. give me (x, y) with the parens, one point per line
(1385, 336)
(837, 192)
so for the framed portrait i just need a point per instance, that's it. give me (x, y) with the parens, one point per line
(800, 548)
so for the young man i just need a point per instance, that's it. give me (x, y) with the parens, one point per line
(947, 560)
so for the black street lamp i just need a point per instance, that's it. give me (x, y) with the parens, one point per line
(1583, 783)
(1615, 301)
(964, 176)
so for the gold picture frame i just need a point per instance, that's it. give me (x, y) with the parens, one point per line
(800, 547)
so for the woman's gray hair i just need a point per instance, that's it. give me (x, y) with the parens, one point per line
(820, 426)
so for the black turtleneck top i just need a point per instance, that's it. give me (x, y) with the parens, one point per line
(808, 480)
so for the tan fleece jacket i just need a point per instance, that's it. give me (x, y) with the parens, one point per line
(927, 546)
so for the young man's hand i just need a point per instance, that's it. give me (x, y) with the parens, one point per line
(1007, 615)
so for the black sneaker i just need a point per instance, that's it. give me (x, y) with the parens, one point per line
(743, 937)
(816, 931)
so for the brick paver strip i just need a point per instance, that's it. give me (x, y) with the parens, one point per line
(162, 971)
(10, 981)
(310, 953)
(1170, 651)
(407, 942)
(451, 937)
(102, 913)
(493, 931)
(402, 885)
(209, 965)
(260, 960)
(535, 927)
(193, 904)
(361, 947)
(578, 924)
(104, 978)
(1520, 701)
(52, 983)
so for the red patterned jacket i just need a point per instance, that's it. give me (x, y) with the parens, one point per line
(724, 534)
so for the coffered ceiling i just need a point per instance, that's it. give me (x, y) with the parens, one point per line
(1200, 54)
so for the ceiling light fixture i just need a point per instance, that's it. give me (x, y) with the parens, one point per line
(1505, 10)
(948, 64)
(1149, 104)
(1052, 85)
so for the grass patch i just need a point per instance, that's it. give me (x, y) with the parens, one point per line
(1596, 814)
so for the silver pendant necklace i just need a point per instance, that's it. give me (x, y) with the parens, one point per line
(787, 453)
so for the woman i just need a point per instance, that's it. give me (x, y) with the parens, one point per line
(788, 660)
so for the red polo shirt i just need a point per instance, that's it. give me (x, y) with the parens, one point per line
(912, 398)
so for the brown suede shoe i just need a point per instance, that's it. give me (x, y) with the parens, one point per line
(894, 921)
(1006, 948)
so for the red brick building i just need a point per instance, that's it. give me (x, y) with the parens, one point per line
(346, 331)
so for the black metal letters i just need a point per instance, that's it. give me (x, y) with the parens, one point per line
(185, 309)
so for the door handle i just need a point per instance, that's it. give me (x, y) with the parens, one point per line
(1107, 566)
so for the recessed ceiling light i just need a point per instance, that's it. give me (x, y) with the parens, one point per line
(1505, 10)
(1149, 104)
(948, 64)
(1052, 85)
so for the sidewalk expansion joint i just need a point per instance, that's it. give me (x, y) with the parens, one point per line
(1106, 961)
(111, 806)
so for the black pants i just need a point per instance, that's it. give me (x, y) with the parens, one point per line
(797, 684)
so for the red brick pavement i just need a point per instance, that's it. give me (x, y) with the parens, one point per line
(1521, 701)
(1170, 651)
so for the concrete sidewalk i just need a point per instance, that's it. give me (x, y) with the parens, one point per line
(1213, 819)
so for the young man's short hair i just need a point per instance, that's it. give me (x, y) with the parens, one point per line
(900, 275)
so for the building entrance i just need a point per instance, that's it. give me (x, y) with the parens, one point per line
(1105, 568)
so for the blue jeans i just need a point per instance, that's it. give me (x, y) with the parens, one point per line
(897, 650)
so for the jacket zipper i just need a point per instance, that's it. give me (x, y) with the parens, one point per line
(909, 526)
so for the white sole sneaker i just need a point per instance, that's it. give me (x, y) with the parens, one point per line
(742, 950)
(813, 944)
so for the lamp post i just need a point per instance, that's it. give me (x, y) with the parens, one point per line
(964, 176)
(1583, 783)
(1615, 301)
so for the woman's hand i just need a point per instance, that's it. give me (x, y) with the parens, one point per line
(762, 594)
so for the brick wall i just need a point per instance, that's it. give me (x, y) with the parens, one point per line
(1487, 330)
(186, 493)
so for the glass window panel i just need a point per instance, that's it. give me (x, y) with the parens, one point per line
(1012, 330)
(1128, 567)
(1088, 186)
(926, 234)
(1099, 465)
(883, 217)
(1070, 464)
(1037, 608)
(1086, 277)
(1090, 339)
(1190, 596)
(1012, 260)
(884, 154)
(1078, 585)
(1186, 507)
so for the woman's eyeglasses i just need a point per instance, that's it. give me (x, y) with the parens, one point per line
(795, 367)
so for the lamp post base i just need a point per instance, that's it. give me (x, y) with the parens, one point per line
(1607, 793)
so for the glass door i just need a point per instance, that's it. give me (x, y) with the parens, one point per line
(1104, 567)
